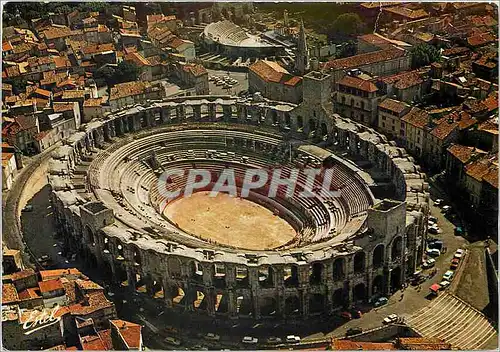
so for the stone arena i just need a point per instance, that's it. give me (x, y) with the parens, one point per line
(325, 253)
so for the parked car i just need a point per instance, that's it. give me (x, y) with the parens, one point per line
(172, 341)
(438, 202)
(273, 340)
(292, 339)
(346, 315)
(433, 230)
(353, 331)
(390, 319)
(459, 253)
(446, 209)
(437, 244)
(27, 208)
(459, 231)
(433, 252)
(444, 284)
(429, 263)
(433, 219)
(454, 263)
(250, 340)
(356, 314)
(211, 337)
(380, 301)
(171, 330)
(448, 275)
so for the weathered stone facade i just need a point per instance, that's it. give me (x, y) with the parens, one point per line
(371, 255)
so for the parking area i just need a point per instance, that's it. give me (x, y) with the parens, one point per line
(240, 79)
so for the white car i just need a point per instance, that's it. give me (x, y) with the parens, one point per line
(250, 340)
(211, 337)
(390, 319)
(446, 208)
(448, 275)
(429, 263)
(438, 202)
(172, 341)
(444, 284)
(292, 339)
(459, 253)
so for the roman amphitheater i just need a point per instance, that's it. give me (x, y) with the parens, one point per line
(255, 258)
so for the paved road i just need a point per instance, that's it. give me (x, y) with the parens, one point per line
(456, 322)
(241, 77)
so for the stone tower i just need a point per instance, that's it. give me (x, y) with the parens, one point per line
(302, 55)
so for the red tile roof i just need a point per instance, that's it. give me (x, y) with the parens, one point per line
(358, 83)
(6, 46)
(481, 168)
(93, 343)
(393, 105)
(491, 102)
(364, 59)
(50, 285)
(9, 294)
(489, 126)
(444, 128)
(97, 48)
(416, 117)
(348, 345)
(464, 153)
(195, 69)
(130, 332)
(376, 39)
(293, 81)
(481, 39)
(58, 273)
(93, 302)
(457, 50)
(407, 12)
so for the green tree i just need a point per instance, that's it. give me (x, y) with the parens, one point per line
(347, 24)
(127, 71)
(423, 54)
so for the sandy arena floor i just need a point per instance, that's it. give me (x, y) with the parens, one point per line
(231, 221)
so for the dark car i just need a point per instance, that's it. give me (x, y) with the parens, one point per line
(345, 315)
(356, 313)
(353, 331)
(27, 208)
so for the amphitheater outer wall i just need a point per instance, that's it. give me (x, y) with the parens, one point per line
(375, 260)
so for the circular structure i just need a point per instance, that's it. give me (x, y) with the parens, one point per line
(230, 39)
(338, 250)
(231, 221)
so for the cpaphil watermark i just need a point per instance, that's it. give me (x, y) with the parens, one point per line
(282, 183)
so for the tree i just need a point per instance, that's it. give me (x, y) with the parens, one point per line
(347, 24)
(346, 50)
(125, 71)
(423, 54)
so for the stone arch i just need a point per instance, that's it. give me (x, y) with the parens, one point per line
(324, 130)
(359, 262)
(338, 298)
(219, 278)
(378, 256)
(174, 267)
(288, 120)
(312, 125)
(266, 277)
(396, 279)
(268, 306)
(316, 303)
(89, 235)
(291, 275)
(274, 117)
(241, 275)
(300, 123)
(136, 255)
(378, 285)
(338, 269)
(315, 273)
(196, 271)
(105, 244)
(359, 292)
(292, 305)
(397, 248)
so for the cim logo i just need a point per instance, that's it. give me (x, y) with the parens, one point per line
(38, 320)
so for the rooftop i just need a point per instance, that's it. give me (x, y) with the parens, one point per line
(464, 153)
(130, 332)
(358, 83)
(365, 59)
(416, 117)
(9, 294)
(394, 105)
(349, 345)
(50, 285)
(127, 89)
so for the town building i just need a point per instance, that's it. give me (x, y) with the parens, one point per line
(274, 82)
(130, 93)
(194, 76)
(390, 113)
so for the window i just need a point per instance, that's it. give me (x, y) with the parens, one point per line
(393, 128)
(343, 100)
(352, 102)
(383, 124)
(363, 105)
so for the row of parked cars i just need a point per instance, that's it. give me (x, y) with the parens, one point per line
(225, 82)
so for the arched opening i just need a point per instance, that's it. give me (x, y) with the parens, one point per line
(378, 256)
(395, 279)
(291, 276)
(137, 257)
(196, 272)
(200, 300)
(300, 124)
(324, 131)
(312, 127)
(266, 277)
(244, 306)
(378, 285)
(316, 303)
(274, 117)
(177, 293)
(397, 248)
(140, 283)
(359, 262)
(292, 305)
(219, 278)
(338, 298)
(106, 245)
(268, 306)
(174, 267)
(221, 303)
(359, 292)
(158, 292)
(121, 255)
(315, 272)
(338, 269)
(288, 121)
(90, 235)
(242, 277)
(204, 111)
